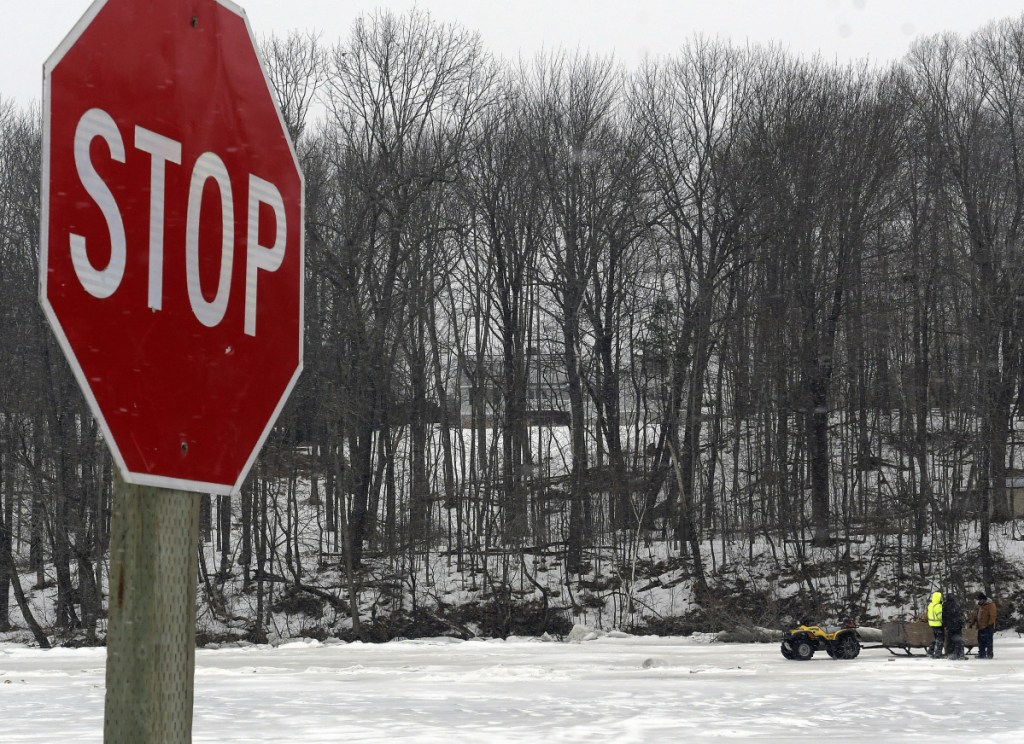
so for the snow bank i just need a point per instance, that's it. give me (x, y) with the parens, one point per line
(750, 634)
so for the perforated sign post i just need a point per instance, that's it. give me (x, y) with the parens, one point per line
(171, 268)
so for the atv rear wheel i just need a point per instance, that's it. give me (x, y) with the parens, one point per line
(847, 647)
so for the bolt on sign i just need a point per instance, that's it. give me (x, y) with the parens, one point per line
(171, 263)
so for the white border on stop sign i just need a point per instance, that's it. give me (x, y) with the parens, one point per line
(145, 479)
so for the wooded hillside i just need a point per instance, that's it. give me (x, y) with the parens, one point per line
(561, 309)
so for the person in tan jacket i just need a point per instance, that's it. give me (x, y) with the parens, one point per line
(984, 616)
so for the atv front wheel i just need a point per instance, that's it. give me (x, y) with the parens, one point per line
(802, 650)
(787, 650)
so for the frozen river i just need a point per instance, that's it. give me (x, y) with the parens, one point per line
(610, 689)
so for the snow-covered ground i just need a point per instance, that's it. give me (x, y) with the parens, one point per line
(621, 689)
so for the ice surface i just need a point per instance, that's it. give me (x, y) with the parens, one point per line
(620, 689)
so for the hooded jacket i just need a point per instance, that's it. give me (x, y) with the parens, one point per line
(935, 610)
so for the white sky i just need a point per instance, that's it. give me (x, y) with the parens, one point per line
(845, 29)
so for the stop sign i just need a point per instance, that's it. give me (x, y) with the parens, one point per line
(171, 261)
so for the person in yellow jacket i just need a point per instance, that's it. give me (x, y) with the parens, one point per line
(934, 616)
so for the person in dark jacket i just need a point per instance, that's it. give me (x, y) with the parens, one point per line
(984, 617)
(953, 625)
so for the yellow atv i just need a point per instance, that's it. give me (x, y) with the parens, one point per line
(840, 643)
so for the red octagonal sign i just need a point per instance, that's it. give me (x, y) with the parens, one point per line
(171, 255)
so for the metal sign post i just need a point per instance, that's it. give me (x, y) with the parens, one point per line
(152, 615)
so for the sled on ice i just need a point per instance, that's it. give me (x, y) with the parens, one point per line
(905, 637)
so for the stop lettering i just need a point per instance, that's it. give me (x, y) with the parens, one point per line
(102, 283)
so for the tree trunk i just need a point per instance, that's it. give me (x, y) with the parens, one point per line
(224, 533)
(577, 473)
(7, 560)
(6, 536)
(818, 454)
(245, 551)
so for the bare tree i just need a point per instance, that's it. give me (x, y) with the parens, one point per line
(972, 89)
(297, 69)
(402, 97)
(693, 109)
(572, 103)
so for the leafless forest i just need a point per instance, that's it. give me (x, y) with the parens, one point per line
(559, 309)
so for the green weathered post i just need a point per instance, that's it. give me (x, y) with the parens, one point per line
(152, 615)
(184, 387)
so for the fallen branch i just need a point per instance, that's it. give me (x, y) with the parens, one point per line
(338, 604)
(19, 595)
